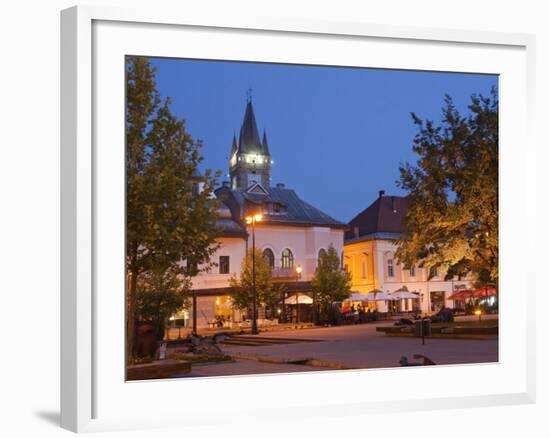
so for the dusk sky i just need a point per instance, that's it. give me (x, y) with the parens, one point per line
(337, 135)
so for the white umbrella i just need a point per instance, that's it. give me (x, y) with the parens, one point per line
(357, 296)
(376, 295)
(404, 295)
(302, 299)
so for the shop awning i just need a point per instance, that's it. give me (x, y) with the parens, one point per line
(485, 291)
(461, 295)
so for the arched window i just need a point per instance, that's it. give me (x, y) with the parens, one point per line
(269, 257)
(322, 252)
(287, 259)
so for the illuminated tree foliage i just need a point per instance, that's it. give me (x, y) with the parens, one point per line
(265, 293)
(170, 210)
(452, 214)
(330, 282)
(160, 294)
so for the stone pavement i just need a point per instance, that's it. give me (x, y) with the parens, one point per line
(351, 346)
(360, 346)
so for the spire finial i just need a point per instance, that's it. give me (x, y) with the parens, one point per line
(249, 95)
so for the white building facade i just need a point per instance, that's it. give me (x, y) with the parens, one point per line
(290, 235)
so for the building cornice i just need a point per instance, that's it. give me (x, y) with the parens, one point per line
(373, 236)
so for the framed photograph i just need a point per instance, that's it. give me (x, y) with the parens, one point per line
(277, 210)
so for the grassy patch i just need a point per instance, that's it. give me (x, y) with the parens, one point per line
(140, 360)
(476, 323)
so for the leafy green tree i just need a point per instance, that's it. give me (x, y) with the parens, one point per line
(265, 293)
(452, 213)
(171, 212)
(330, 283)
(161, 293)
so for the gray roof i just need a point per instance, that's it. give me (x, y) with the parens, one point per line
(279, 205)
(231, 228)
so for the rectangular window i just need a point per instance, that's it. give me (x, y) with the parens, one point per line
(363, 269)
(192, 267)
(434, 272)
(390, 268)
(224, 264)
(412, 271)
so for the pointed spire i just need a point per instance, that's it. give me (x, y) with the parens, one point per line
(264, 144)
(249, 138)
(234, 145)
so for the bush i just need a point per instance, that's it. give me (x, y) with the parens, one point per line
(334, 315)
(444, 315)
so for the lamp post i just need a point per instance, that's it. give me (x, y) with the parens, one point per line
(251, 220)
(298, 272)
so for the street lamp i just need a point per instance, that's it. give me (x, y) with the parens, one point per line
(298, 272)
(251, 220)
(478, 313)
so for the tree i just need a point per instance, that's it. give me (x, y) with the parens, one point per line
(330, 283)
(170, 210)
(244, 295)
(161, 293)
(452, 213)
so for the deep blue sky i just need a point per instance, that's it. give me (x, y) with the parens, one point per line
(337, 135)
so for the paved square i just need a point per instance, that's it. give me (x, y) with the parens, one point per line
(354, 346)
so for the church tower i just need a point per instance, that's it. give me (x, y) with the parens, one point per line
(249, 162)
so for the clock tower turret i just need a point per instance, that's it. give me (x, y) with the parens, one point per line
(250, 161)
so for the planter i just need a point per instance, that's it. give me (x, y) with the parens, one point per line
(159, 369)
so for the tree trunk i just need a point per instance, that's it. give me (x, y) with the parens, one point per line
(131, 335)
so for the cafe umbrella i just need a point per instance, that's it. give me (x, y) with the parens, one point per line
(378, 295)
(402, 294)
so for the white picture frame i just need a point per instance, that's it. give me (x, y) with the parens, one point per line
(88, 395)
